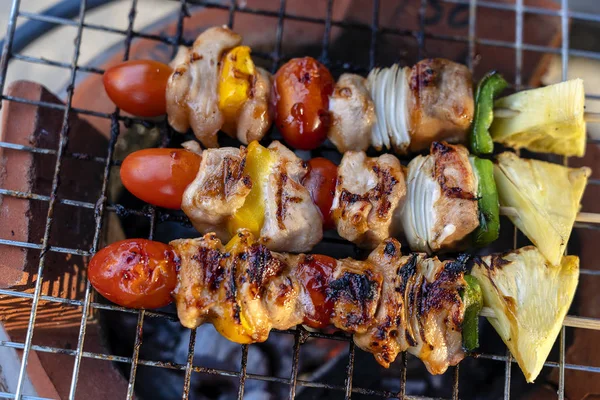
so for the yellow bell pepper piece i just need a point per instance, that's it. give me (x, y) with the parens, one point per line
(225, 324)
(235, 83)
(251, 215)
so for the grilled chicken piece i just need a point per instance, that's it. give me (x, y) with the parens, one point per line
(292, 222)
(192, 97)
(441, 206)
(369, 197)
(355, 293)
(440, 102)
(438, 313)
(254, 120)
(420, 309)
(353, 114)
(235, 287)
(218, 191)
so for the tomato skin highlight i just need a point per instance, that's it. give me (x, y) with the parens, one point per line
(315, 272)
(160, 176)
(320, 182)
(136, 273)
(138, 87)
(300, 102)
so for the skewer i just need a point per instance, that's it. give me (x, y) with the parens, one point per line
(588, 116)
(591, 218)
(570, 320)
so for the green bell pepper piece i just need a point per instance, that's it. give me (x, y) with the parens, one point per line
(473, 300)
(488, 88)
(488, 204)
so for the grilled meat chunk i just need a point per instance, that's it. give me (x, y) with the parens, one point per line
(292, 221)
(420, 309)
(192, 97)
(441, 206)
(253, 120)
(353, 114)
(440, 102)
(242, 288)
(369, 197)
(219, 189)
(355, 292)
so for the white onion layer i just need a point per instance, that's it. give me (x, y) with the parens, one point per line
(389, 90)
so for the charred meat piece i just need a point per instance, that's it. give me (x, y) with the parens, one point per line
(292, 221)
(228, 286)
(441, 206)
(220, 188)
(420, 309)
(192, 97)
(440, 102)
(369, 197)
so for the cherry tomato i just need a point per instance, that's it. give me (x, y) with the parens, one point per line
(315, 272)
(160, 176)
(135, 273)
(138, 87)
(320, 182)
(300, 102)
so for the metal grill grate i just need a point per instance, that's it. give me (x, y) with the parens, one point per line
(103, 206)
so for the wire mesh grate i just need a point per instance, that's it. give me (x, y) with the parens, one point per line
(155, 216)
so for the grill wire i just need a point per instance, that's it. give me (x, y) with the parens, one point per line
(102, 206)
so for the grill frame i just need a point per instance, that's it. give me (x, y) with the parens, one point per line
(102, 206)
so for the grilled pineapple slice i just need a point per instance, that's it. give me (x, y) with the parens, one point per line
(545, 197)
(530, 298)
(547, 120)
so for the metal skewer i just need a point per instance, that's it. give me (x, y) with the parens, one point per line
(591, 218)
(592, 117)
(570, 320)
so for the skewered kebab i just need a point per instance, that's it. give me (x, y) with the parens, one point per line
(390, 303)
(446, 200)
(216, 86)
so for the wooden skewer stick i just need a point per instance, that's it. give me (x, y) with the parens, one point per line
(592, 117)
(570, 320)
(590, 218)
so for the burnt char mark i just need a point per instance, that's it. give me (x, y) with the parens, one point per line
(379, 195)
(261, 265)
(231, 292)
(443, 293)
(498, 262)
(351, 198)
(382, 329)
(445, 151)
(283, 198)
(234, 172)
(279, 198)
(458, 265)
(355, 288)
(391, 248)
(423, 75)
(210, 261)
(407, 271)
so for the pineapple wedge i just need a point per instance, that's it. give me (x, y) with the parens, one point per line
(545, 197)
(530, 298)
(547, 120)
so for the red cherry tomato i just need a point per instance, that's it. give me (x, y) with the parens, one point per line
(138, 87)
(160, 176)
(320, 182)
(135, 273)
(315, 272)
(300, 102)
